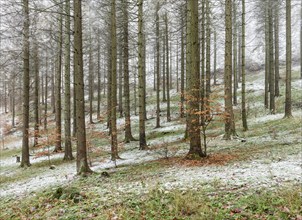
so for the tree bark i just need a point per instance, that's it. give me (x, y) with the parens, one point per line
(99, 78)
(128, 132)
(235, 83)
(120, 84)
(67, 116)
(182, 66)
(215, 58)
(167, 68)
(193, 74)
(36, 94)
(82, 164)
(267, 63)
(277, 63)
(25, 145)
(142, 134)
(243, 102)
(271, 60)
(113, 92)
(58, 81)
(157, 68)
(229, 121)
(208, 56)
(288, 99)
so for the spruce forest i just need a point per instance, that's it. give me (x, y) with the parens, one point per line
(150, 109)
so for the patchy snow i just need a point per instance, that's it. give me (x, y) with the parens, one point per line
(256, 174)
(272, 117)
(297, 84)
(60, 175)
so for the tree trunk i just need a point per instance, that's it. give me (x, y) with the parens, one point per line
(177, 70)
(266, 81)
(99, 77)
(91, 80)
(208, 55)
(120, 84)
(142, 135)
(46, 91)
(128, 132)
(301, 40)
(53, 95)
(182, 67)
(277, 63)
(36, 94)
(243, 102)
(58, 81)
(229, 121)
(157, 68)
(193, 74)
(25, 145)
(235, 84)
(164, 69)
(68, 150)
(167, 68)
(288, 99)
(82, 164)
(13, 101)
(271, 61)
(113, 92)
(203, 57)
(109, 79)
(215, 57)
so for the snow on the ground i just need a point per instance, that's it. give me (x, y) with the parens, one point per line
(48, 178)
(297, 84)
(255, 174)
(272, 117)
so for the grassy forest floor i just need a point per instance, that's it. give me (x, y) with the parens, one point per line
(255, 176)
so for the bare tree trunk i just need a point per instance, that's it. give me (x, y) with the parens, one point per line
(82, 163)
(67, 121)
(288, 99)
(208, 55)
(46, 91)
(58, 81)
(120, 84)
(74, 132)
(167, 68)
(177, 69)
(13, 101)
(109, 79)
(203, 57)
(271, 61)
(53, 95)
(243, 102)
(99, 78)
(164, 69)
(182, 67)
(91, 84)
(267, 67)
(277, 63)
(193, 74)
(25, 145)
(215, 58)
(36, 94)
(128, 132)
(301, 40)
(142, 134)
(114, 150)
(157, 68)
(229, 121)
(235, 84)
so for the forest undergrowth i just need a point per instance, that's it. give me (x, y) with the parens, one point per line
(256, 175)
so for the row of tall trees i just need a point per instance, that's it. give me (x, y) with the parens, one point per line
(116, 46)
